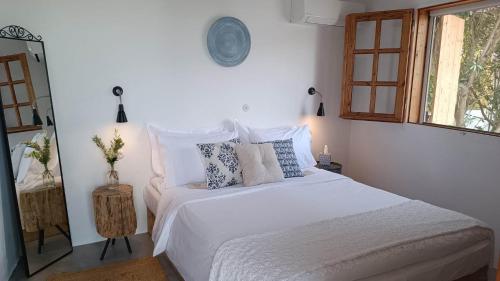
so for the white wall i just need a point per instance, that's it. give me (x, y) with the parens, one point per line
(156, 50)
(444, 167)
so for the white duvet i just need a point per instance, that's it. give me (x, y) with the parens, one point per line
(192, 224)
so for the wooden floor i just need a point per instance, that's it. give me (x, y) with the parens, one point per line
(87, 256)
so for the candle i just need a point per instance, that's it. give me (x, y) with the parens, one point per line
(325, 150)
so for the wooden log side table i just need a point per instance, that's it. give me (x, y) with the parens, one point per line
(43, 208)
(114, 213)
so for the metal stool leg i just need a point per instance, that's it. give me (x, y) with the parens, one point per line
(128, 245)
(105, 249)
(41, 238)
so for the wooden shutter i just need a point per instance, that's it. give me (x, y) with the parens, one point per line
(359, 94)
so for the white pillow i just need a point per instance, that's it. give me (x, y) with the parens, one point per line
(16, 156)
(181, 159)
(301, 137)
(243, 132)
(156, 155)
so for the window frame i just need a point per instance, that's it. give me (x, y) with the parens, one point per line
(404, 52)
(22, 59)
(418, 74)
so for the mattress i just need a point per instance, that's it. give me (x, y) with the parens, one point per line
(152, 198)
(191, 224)
(448, 268)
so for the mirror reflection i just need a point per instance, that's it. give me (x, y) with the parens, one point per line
(365, 34)
(27, 107)
(385, 100)
(360, 99)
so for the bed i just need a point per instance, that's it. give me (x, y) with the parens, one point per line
(217, 234)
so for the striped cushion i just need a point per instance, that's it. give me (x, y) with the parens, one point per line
(287, 158)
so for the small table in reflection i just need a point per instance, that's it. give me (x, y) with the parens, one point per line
(42, 208)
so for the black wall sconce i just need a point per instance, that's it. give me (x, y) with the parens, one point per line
(37, 121)
(321, 109)
(49, 122)
(122, 117)
(47, 118)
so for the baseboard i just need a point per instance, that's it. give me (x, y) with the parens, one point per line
(9, 271)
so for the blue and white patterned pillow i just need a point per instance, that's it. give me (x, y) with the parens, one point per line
(222, 167)
(287, 158)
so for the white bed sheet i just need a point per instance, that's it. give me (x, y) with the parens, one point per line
(192, 223)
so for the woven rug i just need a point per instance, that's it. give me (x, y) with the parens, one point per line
(146, 269)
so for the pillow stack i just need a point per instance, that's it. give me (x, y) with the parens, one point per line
(175, 155)
(300, 135)
(224, 158)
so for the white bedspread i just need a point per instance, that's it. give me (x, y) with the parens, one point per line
(340, 249)
(192, 224)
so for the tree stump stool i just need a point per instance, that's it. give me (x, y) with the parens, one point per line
(43, 208)
(114, 213)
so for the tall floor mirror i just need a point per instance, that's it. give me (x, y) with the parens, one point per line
(30, 131)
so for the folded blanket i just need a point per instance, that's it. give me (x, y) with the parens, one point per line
(337, 249)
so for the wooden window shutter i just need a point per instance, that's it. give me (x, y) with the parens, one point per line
(376, 52)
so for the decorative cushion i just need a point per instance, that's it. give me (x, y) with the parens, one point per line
(222, 167)
(259, 164)
(287, 158)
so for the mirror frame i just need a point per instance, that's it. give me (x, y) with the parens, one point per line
(14, 32)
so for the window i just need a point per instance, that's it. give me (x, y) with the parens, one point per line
(17, 94)
(375, 67)
(456, 75)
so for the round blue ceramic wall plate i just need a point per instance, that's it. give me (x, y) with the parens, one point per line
(228, 41)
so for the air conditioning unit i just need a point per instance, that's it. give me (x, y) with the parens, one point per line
(327, 12)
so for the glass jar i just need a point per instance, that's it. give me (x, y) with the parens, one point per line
(48, 179)
(112, 176)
